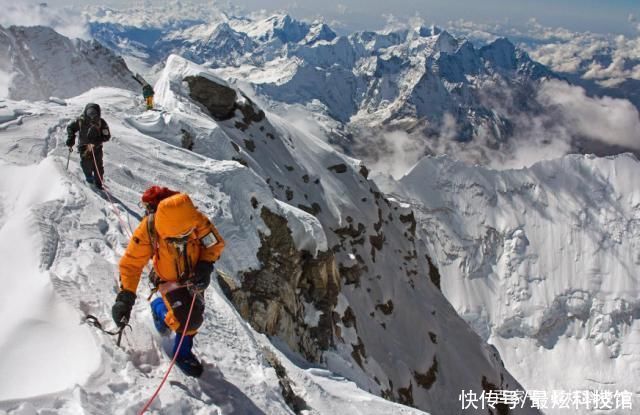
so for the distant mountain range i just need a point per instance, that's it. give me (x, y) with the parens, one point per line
(446, 94)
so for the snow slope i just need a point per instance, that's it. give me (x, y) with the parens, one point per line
(541, 262)
(59, 248)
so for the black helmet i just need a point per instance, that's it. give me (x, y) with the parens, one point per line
(92, 111)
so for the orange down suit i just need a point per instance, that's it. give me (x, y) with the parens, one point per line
(174, 216)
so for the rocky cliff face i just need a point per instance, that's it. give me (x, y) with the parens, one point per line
(293, 295)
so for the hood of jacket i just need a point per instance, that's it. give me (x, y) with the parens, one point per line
(90, 106)
(175, 216)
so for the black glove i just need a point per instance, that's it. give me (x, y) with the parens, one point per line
(202, 275)
(121, 310)
(70, 142)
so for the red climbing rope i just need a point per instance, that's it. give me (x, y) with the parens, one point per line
(173, 361)
(126, 227)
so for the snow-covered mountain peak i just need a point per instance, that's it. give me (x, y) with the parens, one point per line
(445, 42)
(42, 63)
(319, 31)
(428, 31)
(279, 26)
(501, 53)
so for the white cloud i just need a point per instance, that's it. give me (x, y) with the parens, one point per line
(608, 120)
(65, 21)
(390, 152)
(567, 51)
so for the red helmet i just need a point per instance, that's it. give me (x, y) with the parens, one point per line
(154, 195)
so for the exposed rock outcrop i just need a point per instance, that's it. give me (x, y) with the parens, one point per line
(218, 99)
(293, 294)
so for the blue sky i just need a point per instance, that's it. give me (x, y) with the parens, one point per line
(603, 16)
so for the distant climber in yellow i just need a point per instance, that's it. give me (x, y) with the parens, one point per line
(184, 245)
(147, 90)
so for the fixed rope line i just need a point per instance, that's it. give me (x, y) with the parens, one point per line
(124, 225)
(173, 361)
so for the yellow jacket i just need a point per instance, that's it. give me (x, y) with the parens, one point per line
(175, 216)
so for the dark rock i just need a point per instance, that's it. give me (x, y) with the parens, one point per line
(338, 168)
(254, 202)
(405, 395)
(250, 114)
(240, 160)
(218, 99)
(250, 145)
(359, 353)
(314, 209)
(411, 220)
(186, 139)
(434, 273)
(295, 402)
(487, 386)
(353, 273)
(349, 319)
(364, 171)
(350, 231)
(426, 380)
(386, 308)
(376, 242)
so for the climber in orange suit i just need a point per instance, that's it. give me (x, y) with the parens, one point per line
(184, 245)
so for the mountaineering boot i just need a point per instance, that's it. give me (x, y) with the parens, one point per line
(185, 360)
(159, 312)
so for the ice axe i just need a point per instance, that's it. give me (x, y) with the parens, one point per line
(69, 157)
(93, 321)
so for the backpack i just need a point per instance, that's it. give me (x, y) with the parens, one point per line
(150, 199)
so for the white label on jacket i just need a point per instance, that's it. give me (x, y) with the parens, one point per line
(209, 240)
